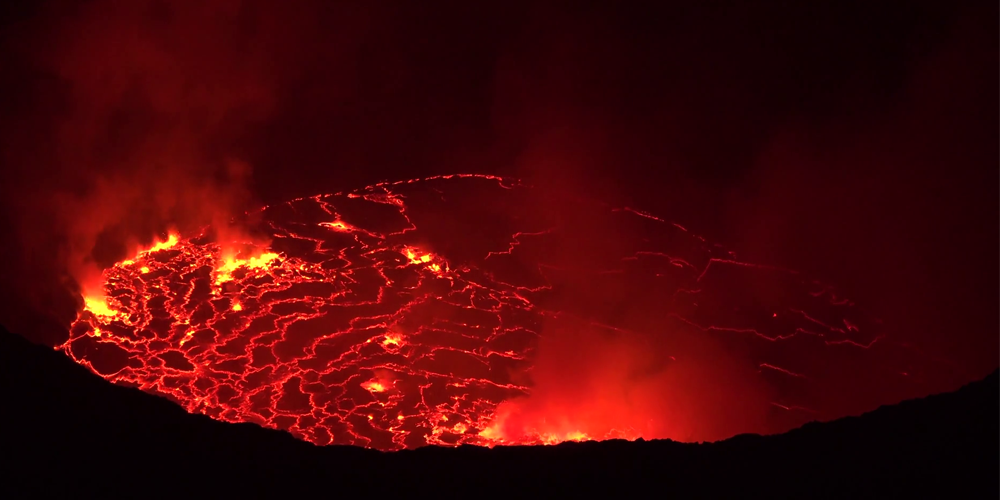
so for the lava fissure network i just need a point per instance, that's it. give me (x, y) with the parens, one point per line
(465, 309)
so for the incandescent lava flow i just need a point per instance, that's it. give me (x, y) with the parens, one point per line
(466, 309)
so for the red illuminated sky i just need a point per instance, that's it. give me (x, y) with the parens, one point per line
(854, 143)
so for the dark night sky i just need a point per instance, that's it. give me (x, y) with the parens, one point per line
(855, 141)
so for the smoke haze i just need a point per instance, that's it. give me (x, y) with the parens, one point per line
(856, 143)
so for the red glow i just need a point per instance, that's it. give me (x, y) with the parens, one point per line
(351, 327)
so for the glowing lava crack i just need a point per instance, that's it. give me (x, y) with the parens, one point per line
(412, 313)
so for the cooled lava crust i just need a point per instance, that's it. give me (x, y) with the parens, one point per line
(403, 314)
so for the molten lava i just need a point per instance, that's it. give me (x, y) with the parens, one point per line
(463, 310)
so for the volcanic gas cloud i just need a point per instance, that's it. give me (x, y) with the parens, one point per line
(466, 310)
